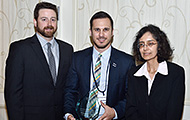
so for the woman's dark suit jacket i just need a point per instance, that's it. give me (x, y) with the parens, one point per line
(166, 98)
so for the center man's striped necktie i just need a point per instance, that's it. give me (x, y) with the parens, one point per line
(94, 92)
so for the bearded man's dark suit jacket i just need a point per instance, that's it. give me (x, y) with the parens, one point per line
(78, 82)
(29, 90)
(166, 98)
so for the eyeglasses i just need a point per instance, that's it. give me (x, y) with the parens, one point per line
(149, 44)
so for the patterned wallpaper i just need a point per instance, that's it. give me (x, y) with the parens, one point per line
(172, 16)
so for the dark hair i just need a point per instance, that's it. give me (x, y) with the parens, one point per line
(101, 14)
(44, 5)
(165, 52)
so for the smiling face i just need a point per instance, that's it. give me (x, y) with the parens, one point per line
(46, 24)
(148, 47)
(101, 34)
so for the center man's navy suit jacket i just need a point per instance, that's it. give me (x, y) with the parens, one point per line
(78, 83)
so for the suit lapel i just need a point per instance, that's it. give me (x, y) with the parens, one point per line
(39, 52)
(157, 80)
(113, 72)
(143, 86)
(61, 61)
(87, 68)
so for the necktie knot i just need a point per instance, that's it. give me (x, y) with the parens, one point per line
(49, 45)
(99, 57)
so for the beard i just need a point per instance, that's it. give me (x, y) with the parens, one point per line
(102, 47)
(45, 33)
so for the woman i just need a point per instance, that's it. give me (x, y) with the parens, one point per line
(156, 88)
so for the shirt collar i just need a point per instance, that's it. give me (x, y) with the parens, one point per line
(162, 69)
(43, 42)
(105, 55)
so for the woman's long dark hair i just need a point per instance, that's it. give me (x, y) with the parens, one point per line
(165, 52)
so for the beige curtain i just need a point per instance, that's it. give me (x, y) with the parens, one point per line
(172, 16)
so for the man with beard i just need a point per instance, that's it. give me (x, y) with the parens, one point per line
(98, 72)
(36, 69)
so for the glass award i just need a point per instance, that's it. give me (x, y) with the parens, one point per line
(83, 107)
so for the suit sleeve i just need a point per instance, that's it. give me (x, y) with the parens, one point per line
(71, 92)
(176, 102)
(13, 83)
(120, 107)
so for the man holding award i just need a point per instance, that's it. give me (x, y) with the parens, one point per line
(97, 79)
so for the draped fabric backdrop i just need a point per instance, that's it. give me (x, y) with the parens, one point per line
(172, 16)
